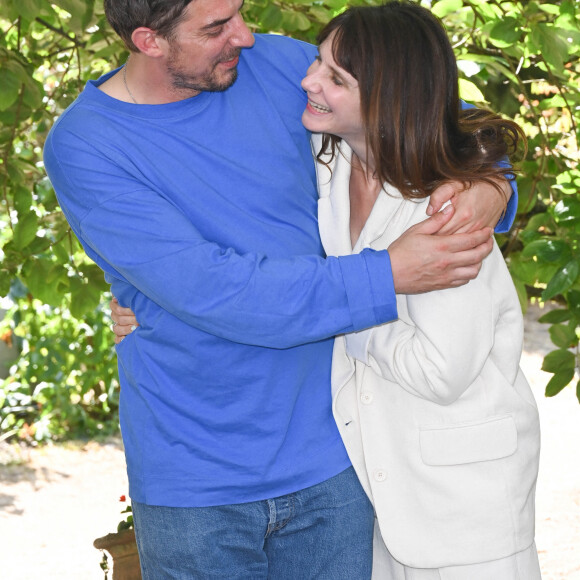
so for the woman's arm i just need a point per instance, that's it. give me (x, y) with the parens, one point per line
(439, 346)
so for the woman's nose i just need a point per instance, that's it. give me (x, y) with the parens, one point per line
(310, 83)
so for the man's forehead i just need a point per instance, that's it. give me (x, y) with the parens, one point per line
(205, 14)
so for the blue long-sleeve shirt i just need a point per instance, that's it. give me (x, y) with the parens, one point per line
(202, 214)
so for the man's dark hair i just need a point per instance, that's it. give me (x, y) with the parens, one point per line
(162, 16)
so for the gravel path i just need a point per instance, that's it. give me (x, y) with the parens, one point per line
(56, 500)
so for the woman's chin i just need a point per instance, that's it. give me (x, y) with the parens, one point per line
(310, 124)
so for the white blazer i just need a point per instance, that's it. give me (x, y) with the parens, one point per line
(437, 417)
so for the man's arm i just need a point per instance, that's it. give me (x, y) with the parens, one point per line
(481, 205)
(140, 238)
(422, 261)
(475, 211)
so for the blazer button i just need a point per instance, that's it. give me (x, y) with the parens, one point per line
(366, 398)
(380, 474)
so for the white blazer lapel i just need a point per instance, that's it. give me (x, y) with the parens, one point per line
(389, 213)
(334, 204)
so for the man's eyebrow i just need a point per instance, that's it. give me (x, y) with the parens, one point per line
(217, 23)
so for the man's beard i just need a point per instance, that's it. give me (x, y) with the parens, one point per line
(205, 83)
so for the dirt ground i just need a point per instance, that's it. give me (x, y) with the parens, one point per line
(56, 500)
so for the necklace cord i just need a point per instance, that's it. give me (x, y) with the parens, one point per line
(125, 81)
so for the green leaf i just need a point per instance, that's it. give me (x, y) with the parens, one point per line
(60, 253)
(557, 101)
(574, 302)
(469, 92)
(555, 316)
(95, 277)
(568, 7)
(559, 360)
(84, 297)
(321, 14)
(551, 44)
(37, 275)
(549, 8)
(28, 9)
(527, 193)
(548, 250)
(33, 93)
(563, 336)
(25, 230)
(9, 88)
(539, 221)
(77, 10)
(567, 210)
(271, 17)
(522, 293)
(562, 281)
(294, 21)
(445, 7)
(5, 282)
(558, 382)
(506, 32)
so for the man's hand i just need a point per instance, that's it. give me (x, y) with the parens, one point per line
(124, 320)
(422, 262)
(482, 205)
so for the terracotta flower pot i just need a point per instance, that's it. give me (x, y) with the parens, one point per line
(123, 549)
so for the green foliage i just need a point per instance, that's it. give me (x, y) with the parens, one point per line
(64, 381)
(519, 58)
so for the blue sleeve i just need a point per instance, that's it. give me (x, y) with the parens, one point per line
(507, 220)
(247, 298)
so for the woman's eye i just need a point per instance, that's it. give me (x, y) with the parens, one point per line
(337, 81)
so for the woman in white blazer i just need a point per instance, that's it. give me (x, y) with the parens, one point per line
(436, 415)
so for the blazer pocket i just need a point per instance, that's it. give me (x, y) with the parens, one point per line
(486, 440)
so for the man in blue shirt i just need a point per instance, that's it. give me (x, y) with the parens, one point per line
(195, 193)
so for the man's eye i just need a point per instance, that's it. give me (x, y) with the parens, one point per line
(215, 32)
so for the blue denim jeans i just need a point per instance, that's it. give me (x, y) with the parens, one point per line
(322, 532)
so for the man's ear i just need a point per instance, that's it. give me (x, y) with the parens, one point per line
(148, 42)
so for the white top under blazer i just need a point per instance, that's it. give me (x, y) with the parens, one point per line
(437, 417)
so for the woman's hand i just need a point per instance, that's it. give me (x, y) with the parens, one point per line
(124, 321)
(482, 205)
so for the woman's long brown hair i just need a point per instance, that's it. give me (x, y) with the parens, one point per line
(416, 130)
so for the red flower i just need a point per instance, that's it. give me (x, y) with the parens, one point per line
(122, 498)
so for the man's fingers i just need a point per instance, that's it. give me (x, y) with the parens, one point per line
(119, 310)
(464, 275)
(421, 262)
(126, 320)
(122, 330)
(433, 224)
(442, 195)
(464, 242)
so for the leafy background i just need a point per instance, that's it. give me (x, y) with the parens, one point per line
(517, 58)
